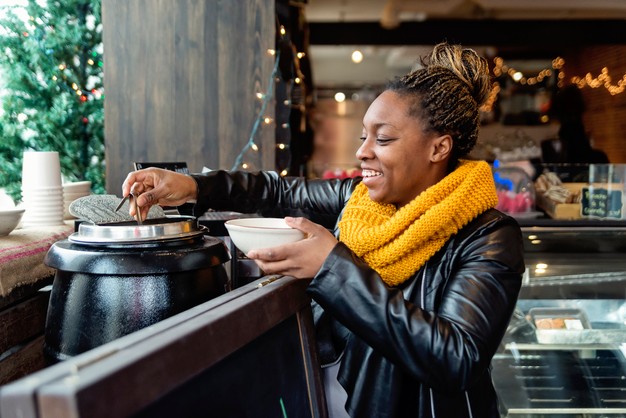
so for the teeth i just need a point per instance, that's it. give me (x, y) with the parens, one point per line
(370, 173)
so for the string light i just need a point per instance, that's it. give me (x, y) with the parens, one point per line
(602, 80)
(257, 122)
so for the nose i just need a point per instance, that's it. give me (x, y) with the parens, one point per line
(365, 150)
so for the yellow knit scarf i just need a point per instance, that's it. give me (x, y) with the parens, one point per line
(397, 242)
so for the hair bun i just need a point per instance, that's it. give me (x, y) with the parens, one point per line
(470, 67)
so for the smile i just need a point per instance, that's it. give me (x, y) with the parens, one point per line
(370, 173)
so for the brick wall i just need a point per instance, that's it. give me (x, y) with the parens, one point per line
(605, 118)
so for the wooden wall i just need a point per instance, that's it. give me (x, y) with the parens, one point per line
(181, 78)
(605, 118)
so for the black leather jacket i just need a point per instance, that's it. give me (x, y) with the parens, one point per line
(422, 349)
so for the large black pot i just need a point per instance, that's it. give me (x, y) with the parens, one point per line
(114, 279)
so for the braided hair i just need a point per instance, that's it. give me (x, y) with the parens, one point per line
(446, 94)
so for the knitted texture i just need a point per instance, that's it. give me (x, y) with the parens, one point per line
(397, 242)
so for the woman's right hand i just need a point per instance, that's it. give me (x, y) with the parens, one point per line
(153, 186)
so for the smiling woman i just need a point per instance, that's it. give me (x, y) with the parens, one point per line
(417, 252)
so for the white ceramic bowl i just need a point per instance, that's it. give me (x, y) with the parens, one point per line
(257, 233)
(9, 220)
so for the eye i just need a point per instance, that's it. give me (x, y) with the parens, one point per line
(384, 141)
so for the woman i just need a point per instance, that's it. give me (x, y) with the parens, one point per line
(413, 298)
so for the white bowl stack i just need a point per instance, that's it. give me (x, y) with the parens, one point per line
(42, 195)
(71, 192)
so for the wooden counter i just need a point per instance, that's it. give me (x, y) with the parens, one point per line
(24, 297)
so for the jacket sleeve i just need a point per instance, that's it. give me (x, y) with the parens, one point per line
(470, 295)
(268, 194)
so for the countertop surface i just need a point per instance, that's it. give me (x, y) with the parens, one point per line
(22, 253)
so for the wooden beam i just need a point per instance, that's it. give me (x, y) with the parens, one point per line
(536, 34)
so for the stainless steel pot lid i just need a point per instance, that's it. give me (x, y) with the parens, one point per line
(128, 232)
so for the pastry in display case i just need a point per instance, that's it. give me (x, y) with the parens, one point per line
(564, 353)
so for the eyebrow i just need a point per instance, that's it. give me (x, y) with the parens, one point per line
(381, 124)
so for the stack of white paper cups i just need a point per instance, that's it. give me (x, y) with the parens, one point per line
(42, 192)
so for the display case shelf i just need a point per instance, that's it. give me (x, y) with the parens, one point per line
(539, 371)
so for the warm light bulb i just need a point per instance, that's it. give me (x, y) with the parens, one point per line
(340, 97)
(357, 56)
(300, 55)
(254, 147)
(517, 76)
(283, 173)
(280, 146)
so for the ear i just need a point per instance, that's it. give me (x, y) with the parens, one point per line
(441, 148)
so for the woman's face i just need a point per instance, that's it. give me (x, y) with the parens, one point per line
(398, 161)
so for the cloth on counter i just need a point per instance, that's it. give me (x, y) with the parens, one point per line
(22, 253)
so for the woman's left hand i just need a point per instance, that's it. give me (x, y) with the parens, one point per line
(301, 259)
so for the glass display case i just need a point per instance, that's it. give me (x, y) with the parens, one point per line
(564, 353)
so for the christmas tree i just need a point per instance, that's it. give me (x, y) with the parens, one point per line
(51, 89)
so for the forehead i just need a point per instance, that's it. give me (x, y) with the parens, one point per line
(389, 108)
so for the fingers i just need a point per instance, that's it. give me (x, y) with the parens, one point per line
(301, 259)
(154, 186)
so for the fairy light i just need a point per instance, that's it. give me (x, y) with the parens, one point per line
(250, 144)
(602, 80)
(558, 64)
(284, 173)
(266, 97)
